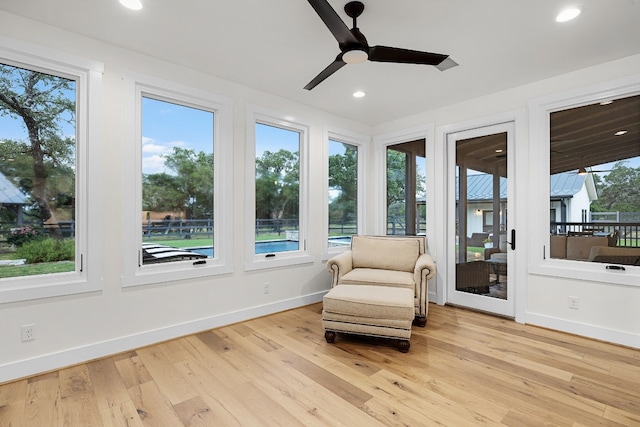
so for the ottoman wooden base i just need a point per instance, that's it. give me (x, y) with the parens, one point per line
(378, 311)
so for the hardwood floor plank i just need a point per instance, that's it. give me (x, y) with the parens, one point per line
(154, 408)
(224, 399)
(78, 404)
(195, 412)
(132, 370)
(123, 414)
(463, 369)
(43, 401)
(163, 372)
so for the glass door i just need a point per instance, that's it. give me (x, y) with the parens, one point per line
(481, 232)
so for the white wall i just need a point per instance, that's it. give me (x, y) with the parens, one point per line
(84, 326)
(607, 311)
(76, 328)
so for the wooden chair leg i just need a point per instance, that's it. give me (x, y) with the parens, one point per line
(420, 321)
(330, 336)
(403, 345)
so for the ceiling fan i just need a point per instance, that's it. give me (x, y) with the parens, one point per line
(355, 49)
(583, 171)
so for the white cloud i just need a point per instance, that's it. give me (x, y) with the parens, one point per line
(153, 164)
(153, 154)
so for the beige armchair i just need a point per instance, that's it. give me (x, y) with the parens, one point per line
(402, 262)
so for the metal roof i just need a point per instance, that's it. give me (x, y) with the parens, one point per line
(566, 184)
(480, 186)
(9, 193)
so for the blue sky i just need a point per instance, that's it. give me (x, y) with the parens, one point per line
(166, 125)
(271, 138)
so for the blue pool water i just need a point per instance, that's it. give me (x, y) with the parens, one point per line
(275, 246)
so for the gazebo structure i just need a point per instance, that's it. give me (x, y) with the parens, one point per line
(11, 198)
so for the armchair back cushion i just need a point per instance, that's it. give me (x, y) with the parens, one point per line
(398, 254)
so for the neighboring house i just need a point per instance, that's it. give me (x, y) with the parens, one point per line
(571, 197)
(11, 198)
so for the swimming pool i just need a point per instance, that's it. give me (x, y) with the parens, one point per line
(276, 246)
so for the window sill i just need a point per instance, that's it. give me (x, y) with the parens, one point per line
(281, 259)
(175, 271)
(588, 271)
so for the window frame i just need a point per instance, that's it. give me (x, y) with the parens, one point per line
(540, 110)
(135, 273)
(303, 255)
(87, 74)
(361, 142)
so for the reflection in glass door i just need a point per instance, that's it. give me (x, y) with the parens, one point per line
(482, 227)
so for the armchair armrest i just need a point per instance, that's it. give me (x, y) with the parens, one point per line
(425, 269)
(339, 265)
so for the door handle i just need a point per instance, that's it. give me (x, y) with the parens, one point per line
(513, 240)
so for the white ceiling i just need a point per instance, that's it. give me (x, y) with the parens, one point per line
(278, 46)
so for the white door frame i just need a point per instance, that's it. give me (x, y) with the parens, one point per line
(517, 167)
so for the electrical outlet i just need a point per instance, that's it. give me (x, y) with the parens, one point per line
(28, 332)
(267, 288)
(574, 303)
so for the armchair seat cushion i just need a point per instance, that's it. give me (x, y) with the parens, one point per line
(375, 276)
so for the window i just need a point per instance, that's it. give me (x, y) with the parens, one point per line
(44, 215)
(180, 223)
(343, 186)
(406, 191)
(586, 138)
(38, 170)
(277, 190)
(595, 172)
(177, 182)
(277, 224)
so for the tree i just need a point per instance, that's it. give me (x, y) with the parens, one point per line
(277, 185)
(619, 190)
(42, 102)
(189, 186)
(343, 177)
(396, 178)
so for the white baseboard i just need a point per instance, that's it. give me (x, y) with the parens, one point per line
(590, 331)
(48, 362)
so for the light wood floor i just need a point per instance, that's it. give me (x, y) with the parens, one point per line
(463, 368)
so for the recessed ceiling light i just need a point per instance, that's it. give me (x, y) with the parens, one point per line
(606, 102)
(567, 14)
(620, 132)
(131, 4)
(358, 94)
(499, 150)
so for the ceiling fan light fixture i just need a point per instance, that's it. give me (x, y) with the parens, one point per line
(355, 56)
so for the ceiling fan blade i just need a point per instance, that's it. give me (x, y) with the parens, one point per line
(331, 19)
(406, 56)
(332, 68)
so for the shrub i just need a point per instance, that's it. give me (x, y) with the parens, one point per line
(25, 234)
(47, 250)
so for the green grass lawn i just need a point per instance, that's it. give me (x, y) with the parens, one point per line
(33, 269)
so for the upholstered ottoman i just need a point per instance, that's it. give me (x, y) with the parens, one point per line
(379, 311)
